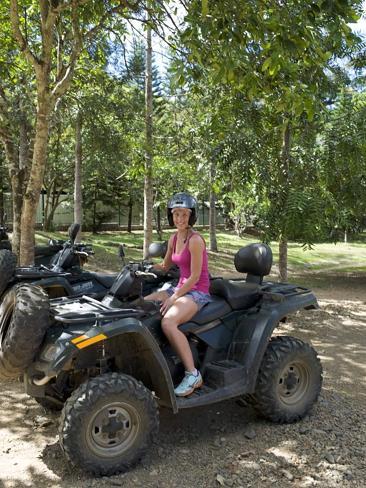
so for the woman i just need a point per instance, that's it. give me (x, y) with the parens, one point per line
(187, 250)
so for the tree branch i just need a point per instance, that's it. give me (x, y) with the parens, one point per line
(169, 15)
(66, 73)
(94, 30)
(22, 43)
(159, 35)
(67, 5)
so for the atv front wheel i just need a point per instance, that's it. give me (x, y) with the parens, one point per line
(24, 319)
(108, 424)
(289, 380)
(8, 263)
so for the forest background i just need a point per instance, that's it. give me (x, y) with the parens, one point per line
(260, 114)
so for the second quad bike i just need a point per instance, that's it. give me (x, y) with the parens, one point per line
(109, 366)
(62, 275)
(65, 276)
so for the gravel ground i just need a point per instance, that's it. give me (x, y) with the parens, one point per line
(226, 444)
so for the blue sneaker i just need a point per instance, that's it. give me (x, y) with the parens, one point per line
(189, 383)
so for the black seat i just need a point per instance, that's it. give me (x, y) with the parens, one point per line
(106, 280)
(213, 310)
(256, 261)
(239, 294)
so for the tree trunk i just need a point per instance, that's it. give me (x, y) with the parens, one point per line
(48, 223)
(2, 196)
(158, 223)
(212, 212)
(16, 173)
(94, 229)
(285, 163)
(17, 203)
(34, 186)
(282, 259)
(78, 198)
(53, 186)
(52, 203)
(148, 183)
(129, 218)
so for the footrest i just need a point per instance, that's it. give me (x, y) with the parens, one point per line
(223, 373)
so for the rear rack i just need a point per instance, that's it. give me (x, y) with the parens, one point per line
(38, 272)
(278, 292)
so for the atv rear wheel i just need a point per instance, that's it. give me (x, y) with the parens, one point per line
(289, 380)
(108, 424)
(24, 319)
(8, 263)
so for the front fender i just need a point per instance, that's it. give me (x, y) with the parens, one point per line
(71, 342)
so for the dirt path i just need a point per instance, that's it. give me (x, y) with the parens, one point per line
(225, 444)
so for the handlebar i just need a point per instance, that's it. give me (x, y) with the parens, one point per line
(145, 273)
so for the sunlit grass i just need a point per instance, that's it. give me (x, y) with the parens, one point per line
(325, 257)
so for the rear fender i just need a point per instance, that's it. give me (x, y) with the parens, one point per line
(69, 347)
(256, 330)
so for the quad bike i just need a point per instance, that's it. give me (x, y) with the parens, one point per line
(65, 275)
(108, 365)
(42, 254)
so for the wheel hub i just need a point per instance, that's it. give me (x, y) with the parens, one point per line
(293, 383)
(113, 429)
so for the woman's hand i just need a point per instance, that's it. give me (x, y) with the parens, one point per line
(167, 304)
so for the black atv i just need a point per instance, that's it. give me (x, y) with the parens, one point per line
(42, 254)
(109, 366)
(65, 276)
(4, 237)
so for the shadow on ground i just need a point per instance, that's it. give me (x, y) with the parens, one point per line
(225, 443)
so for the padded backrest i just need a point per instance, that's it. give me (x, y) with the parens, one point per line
(255, 260)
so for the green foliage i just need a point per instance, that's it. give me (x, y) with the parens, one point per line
(245, 70)
(271, 50)
(342, 152)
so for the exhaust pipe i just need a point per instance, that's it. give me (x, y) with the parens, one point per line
(43, 381)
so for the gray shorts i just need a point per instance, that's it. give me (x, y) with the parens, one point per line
(198, 297)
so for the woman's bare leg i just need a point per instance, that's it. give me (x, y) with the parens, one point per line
(181, 311)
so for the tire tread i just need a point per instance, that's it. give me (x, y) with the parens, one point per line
(82, 400)
(264, 398)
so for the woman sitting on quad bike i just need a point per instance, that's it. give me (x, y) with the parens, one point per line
(187, 250)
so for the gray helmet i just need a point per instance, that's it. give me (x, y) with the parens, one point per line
(182, 200)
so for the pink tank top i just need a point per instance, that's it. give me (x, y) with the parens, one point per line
(183, 261)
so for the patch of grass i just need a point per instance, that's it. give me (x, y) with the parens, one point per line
(324, 258)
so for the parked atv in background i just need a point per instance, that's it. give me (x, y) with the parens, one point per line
(63, 277)
(108, 365)
(4, 237)
(43, 254)
(66, 276)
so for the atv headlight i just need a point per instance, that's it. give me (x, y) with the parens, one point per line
(49, 352)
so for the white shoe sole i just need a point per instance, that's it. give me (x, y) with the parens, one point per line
(189, 392)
